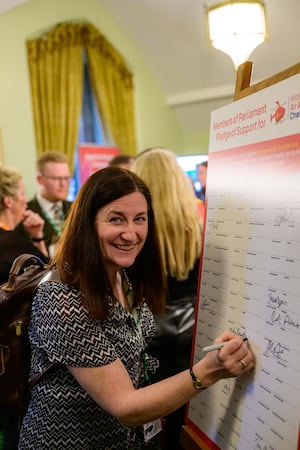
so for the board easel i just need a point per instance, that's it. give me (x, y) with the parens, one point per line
(189, 439)
(244, 72)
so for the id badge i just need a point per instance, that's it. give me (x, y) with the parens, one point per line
(151, 429)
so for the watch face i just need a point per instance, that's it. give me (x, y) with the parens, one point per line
(198, 384)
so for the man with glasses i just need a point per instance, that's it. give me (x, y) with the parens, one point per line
(53, 178)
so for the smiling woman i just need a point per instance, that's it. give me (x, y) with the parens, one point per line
(98, 323)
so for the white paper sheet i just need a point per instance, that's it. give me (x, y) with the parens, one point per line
(250, 279)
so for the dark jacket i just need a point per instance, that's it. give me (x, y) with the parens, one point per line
(173, 342)
(13, 244)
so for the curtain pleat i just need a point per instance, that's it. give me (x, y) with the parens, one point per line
(56, 81)
(112, 84)
(56, 74)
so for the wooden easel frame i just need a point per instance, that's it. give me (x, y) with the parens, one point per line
(190, 440)
(244, 72)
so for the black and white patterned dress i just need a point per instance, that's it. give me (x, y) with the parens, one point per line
(61, 415)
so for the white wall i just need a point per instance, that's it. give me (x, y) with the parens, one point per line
(155, 122)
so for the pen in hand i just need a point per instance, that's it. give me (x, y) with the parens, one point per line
(211, 348)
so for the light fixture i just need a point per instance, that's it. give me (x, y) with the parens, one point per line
(237, 27)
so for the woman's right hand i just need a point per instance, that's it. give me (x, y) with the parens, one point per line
(232, 360)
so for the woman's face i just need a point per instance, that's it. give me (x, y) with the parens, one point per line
(19, 203)
(122, 228)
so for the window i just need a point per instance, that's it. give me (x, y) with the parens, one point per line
(90, 128)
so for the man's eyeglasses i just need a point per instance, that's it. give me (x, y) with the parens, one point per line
(58, 179)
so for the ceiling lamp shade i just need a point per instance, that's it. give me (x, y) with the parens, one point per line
(237, 28)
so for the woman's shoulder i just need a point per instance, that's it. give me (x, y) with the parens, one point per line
(56, 294)
(7, 234)
(58, 299)
(58, 288)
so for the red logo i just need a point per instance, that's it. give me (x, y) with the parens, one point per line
(279, 113)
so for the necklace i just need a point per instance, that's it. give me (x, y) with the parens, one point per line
(122, 292)
(129, 294)
(128, 282)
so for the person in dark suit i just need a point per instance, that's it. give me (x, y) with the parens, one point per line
(53, 178)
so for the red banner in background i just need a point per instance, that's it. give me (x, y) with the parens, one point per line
(93, 157)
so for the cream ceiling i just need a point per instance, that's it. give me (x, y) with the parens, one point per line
(196, 78)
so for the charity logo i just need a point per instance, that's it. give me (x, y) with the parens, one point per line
(279, 113)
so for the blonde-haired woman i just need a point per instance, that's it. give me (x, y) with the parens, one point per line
(179, 230)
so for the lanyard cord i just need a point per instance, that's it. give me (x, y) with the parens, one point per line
(129, 295)
(143, 356)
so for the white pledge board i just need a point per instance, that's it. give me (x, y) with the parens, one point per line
(250, 274)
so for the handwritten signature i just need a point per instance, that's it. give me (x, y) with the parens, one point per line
(240, 331)
(276, 301)
(275, 349)
(284, 216)
(214, 226)
(261, 446)
(226, 388)
(284, 320)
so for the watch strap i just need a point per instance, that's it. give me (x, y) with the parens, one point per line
(198, 384)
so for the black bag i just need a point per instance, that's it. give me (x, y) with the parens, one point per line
(172, 343)
(179, 318)
(16, 297)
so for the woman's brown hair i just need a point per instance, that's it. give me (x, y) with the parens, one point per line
(79, 259)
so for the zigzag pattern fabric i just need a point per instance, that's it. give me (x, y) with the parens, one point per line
(61, 415)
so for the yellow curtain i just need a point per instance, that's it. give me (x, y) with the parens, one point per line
(112, 84)
(56, 77)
